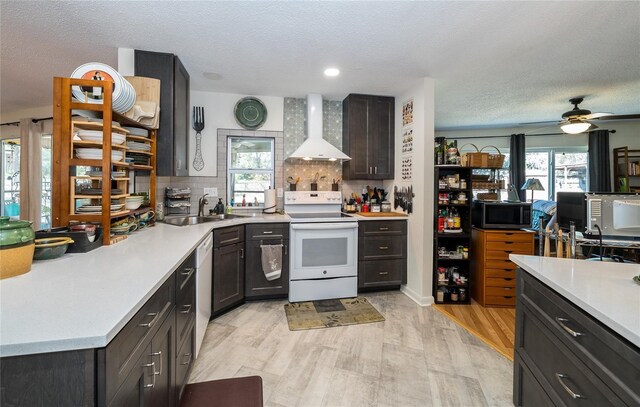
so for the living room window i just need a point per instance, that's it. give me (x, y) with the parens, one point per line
(251, 167)
(558, 169)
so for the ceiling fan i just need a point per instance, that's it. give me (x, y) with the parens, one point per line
(578, 120)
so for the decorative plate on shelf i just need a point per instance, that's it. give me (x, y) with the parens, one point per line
(250, 113)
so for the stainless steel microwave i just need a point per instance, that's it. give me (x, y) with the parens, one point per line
(501, 215)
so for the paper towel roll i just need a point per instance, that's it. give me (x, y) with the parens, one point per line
(269, 201)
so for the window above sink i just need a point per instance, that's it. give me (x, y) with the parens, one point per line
(251, 168)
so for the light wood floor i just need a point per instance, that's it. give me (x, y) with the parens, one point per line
(417, 357)
(494, 326)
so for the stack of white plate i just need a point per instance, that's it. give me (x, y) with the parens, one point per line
(133, 202)
(96, 154)
(137, 146)
(96, 136)
(136, 131)
(123, 95)
(98, 208)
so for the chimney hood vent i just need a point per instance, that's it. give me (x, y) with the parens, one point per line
(315, 147)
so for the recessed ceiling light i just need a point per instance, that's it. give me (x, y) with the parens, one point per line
(212, 75)
(332, 72)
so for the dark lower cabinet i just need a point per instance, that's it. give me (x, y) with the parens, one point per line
(228, 268)
(563, 356)
(256, 285)
(135, 390)
(184, 360)
(382, 254)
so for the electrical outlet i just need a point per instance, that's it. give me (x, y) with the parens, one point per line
(211, 191)
(279, 193)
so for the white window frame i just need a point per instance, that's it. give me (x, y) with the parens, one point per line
(232, 171)
(551, 174)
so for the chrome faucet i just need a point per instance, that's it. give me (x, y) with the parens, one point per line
(201, 203)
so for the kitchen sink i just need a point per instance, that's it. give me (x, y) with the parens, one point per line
(196, 220)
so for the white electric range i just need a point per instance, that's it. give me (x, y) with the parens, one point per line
(324, 247)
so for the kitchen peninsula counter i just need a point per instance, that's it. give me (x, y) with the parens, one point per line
(603, 290)
(82, 300)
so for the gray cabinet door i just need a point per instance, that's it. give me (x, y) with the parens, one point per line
(228, 276)
(256, 284)
(163, 355)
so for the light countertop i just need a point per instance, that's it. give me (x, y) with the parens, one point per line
(366, 218)
(82, 300)
(603, 290)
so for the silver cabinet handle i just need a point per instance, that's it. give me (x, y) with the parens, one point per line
(285, 249)
(383, 247)
(187, 271)
(376, 169)
(149, 324)
(383, 228)
(188, 361)
(561, 322)
(267, 232)
(573, 394)
(178, 164)
(187, 309)
(383, 273)
(370, 170)
(152, 365)
(158, 353)
(242, 253)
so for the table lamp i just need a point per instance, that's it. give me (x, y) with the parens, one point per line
(532, 184)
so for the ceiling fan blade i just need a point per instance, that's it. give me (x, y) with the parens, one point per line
(619, 117)
(596, 116)
(543, 122)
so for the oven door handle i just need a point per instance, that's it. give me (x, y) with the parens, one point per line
(324, 226)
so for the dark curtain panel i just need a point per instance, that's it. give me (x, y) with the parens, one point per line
(517, 160)
(599, 161)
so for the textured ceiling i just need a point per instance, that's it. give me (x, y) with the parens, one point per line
(495, 63)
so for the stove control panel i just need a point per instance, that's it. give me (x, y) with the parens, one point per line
(312, 197)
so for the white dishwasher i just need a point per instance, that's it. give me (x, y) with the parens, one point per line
(204, 264)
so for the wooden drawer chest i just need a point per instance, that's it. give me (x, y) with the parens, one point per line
(493, 274)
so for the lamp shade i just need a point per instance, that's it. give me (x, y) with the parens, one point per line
(575, 126)
(532, 184)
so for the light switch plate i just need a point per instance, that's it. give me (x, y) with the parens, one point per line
(211, 191)
(279, 192)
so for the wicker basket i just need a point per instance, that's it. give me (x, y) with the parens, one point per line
(487, 196)
(477, 159)
(494, 160)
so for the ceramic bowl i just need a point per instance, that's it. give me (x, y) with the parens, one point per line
(132, 205)
(51, 247)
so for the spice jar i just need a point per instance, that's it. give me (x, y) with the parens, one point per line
(463, 294)
(440, 296)
(465, 253)
(454, 295)
(463, 183)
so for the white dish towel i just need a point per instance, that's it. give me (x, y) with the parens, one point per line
(272, 261)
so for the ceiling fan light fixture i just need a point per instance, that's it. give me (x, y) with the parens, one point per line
(575, 126)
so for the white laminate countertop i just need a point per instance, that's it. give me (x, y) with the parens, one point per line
(82, 300)
(603, 290)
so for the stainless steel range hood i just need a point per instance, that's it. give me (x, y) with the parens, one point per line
(315, 147)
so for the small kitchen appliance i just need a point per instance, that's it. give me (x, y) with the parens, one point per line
(324, 247)
(501, 215)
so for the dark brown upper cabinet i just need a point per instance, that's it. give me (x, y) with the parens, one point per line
(173, 135)
(368, 137)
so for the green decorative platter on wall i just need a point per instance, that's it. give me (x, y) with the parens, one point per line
(250, 113)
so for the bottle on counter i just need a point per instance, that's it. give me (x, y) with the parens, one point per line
(229, 209)
(244, 200)
(219, 208)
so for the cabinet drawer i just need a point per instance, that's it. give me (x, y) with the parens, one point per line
(500, 264)
(185, 273)
(513, 247)
(500, 282)
(123, 351)
(380, 273)
(556, 367)
(227, 236)
(598, 347)
(503, 254)
(184, 360)
(500, 300)
(268, 231)
(530, 392)
(500, 291)
(510, 237)
(185, 309)
(382, 247)
(500, 273)
(382, 227)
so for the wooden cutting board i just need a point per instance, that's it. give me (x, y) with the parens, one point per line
(382, 214)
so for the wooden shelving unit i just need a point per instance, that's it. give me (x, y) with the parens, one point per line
(66, 163)
(626, 170)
